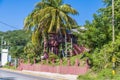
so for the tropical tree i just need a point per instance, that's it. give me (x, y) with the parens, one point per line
(98, 36)
(32, 51)
(49, 16)
(99, 31)
(17, 52)
(15, 41)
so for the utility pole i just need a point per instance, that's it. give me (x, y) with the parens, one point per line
(113, 32)
(1, 49)
(113, 38)
(1, 43)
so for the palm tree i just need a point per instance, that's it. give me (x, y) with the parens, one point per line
(50, 16)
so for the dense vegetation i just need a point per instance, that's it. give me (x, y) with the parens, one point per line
(15, 42)
(97, 35)
(48, 16)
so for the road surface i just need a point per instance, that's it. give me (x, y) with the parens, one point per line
(8, 75)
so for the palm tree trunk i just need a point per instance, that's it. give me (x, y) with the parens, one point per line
(45, 43)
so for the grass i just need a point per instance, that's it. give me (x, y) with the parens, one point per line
(9, 67)
(105, 74)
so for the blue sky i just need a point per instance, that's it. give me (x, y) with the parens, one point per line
(13, 12)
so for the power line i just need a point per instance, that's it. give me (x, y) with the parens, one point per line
(8, 25)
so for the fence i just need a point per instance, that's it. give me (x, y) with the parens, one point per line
(76, 69)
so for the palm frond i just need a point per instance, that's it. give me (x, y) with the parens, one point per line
(58, 24)
(68, 9)
(52, 24)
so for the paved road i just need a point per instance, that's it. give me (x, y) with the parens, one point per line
(7, 75)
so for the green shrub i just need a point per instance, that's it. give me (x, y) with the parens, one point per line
(105, 74)
(87, 76)
(53, 56)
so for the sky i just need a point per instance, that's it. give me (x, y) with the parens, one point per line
(13, 12)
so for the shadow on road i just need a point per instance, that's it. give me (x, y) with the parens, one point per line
(7, 78)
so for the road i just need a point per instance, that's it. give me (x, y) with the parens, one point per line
(8, 75)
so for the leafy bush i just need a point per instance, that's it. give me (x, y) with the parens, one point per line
(105, 74)
(9, 66)
(102, 58)
(52, 56)
(87, 76)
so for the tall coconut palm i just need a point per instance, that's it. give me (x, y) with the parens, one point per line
(50, 16)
